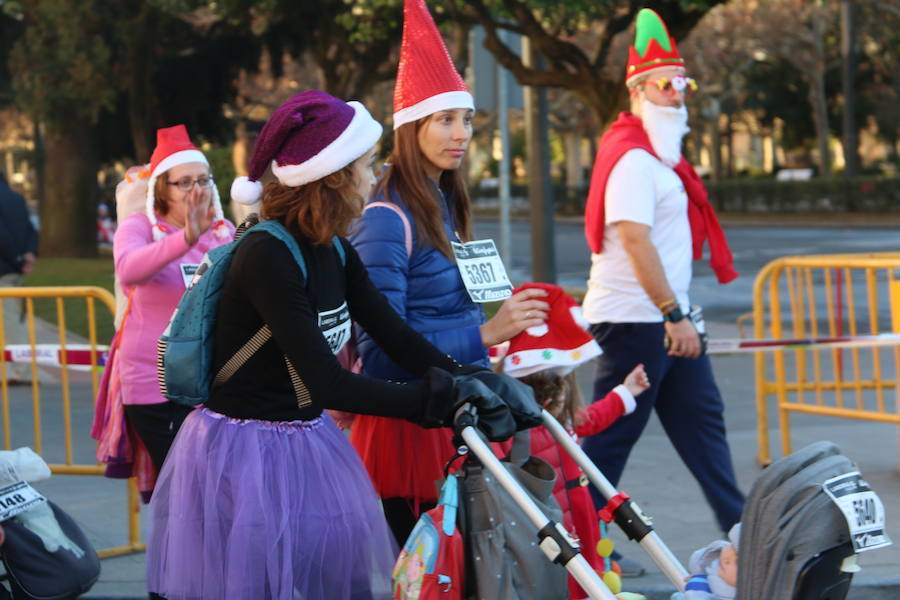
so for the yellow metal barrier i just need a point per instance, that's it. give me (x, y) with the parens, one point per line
(818, 296)
(62, 337)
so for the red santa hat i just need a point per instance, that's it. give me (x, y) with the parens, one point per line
(561, 343)
(173, 148)
(427, 81)
(653, 49)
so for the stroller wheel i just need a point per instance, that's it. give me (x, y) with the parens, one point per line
(822, 577)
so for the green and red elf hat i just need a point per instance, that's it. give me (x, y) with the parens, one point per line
(653, 49)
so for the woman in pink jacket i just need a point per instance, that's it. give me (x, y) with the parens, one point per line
(155, 255)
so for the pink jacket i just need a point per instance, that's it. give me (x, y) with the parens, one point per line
(153, 270)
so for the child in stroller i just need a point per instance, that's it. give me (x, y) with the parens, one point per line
(545, 358)
(795, 541)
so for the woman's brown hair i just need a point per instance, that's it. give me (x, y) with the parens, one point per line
(161, 195)
(407, 177)
(319, 210)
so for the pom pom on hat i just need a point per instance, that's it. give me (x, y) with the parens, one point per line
(244, 191)
(312, 135)
(560, 344)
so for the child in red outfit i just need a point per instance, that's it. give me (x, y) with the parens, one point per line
(561, 398)
(544, 357)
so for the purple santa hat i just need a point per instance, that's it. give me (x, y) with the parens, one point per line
(311, 135)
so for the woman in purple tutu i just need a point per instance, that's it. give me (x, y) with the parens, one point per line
(262, 497)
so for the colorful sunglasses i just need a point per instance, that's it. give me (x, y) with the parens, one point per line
(679, 83)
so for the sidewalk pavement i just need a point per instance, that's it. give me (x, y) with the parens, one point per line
(655, 478)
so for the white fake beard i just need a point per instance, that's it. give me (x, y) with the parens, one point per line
(666, 126)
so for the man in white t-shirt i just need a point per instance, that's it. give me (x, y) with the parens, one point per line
(647, 217)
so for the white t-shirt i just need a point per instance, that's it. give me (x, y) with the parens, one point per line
(640, 189)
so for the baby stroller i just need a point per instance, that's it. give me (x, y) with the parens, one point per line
(558, 546)
(800, 545)
(795, 541)
(45, 553)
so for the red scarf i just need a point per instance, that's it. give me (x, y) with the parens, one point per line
(627, 133)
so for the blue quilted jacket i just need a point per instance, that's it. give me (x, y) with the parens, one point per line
(425, 288)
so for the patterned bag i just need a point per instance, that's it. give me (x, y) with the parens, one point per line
(430, 566)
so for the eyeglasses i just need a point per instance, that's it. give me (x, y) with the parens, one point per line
(186, 184)
(679, 83)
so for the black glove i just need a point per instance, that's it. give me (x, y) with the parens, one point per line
(446, 393)
(517, 395)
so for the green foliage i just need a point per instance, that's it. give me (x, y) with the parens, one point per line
(222, 168)
(12, 9)
(61, 65)
(776, 90)
(862, 194)
(367, 21)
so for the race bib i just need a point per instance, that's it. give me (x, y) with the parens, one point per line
(335, 326)
(862, 508)
(482, 271)
(187, 273)
(17, 498)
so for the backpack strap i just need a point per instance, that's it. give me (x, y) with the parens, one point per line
(407, 230)
(250, 348)
(339, 246)
(263, 334)
(277, 230)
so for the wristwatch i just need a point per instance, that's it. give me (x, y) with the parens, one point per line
(674, 314)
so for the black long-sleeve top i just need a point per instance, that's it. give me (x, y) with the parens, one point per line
(265, 285)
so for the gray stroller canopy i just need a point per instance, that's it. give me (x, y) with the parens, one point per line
(788, 522)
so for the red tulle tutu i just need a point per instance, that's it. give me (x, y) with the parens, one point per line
(403, 459)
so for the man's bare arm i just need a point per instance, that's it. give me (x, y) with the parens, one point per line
(650, 274)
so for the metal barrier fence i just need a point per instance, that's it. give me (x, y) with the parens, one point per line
(816, 296)
(50, 350)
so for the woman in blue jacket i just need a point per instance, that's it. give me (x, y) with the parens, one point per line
(404, 241)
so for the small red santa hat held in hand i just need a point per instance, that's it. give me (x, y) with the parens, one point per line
(173, 148)
(427, 81)
(561, 343)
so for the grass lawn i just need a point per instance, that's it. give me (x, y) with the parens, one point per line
(74, 271)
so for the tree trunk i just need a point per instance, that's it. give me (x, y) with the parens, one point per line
(817, 98)
(848, 51)
(68, 209)
(140, 37)
(715, 139)
(574, 175)
(729, 141)
(819, 105)
(39, 162)
(540, 188)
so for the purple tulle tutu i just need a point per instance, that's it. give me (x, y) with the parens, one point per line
(252, 510)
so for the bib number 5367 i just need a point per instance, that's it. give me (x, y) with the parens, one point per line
(482, 271)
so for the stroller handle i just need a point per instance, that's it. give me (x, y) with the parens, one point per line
(633, 522)
(555, 542)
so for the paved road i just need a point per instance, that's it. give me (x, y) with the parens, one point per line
(753, 248)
